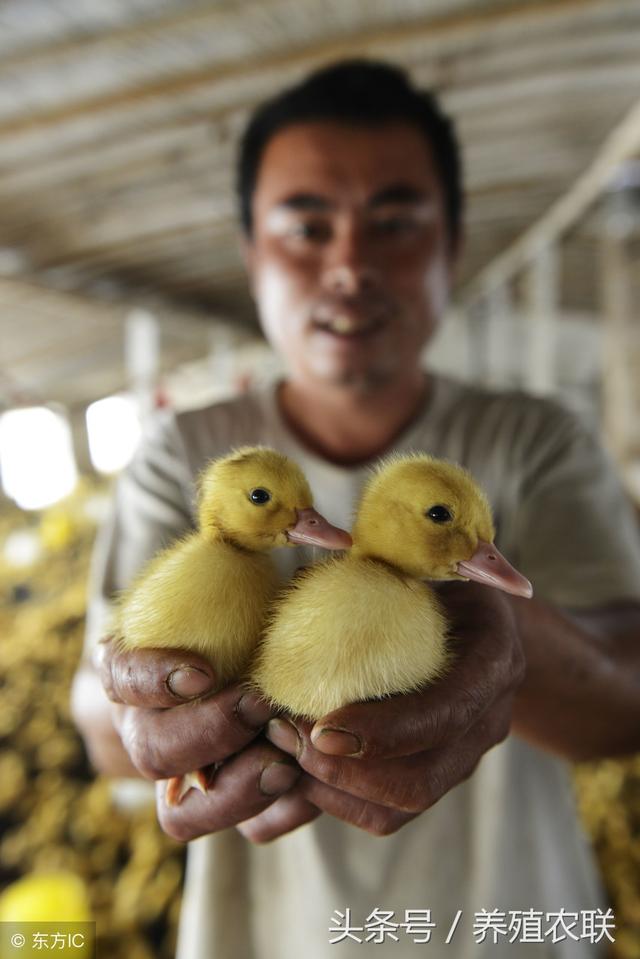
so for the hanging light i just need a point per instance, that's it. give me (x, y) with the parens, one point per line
(36, 456)
(113, 428)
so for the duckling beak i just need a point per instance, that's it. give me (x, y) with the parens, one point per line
(312, 529)
(488, 565)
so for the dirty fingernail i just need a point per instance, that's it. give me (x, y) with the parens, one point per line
(187, 682)
(253, 711)
(336, 742)
(277, 778)
(284, 735)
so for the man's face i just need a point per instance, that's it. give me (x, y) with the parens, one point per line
(350, 260)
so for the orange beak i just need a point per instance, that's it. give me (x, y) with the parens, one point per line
(488, 566)
(312, 529)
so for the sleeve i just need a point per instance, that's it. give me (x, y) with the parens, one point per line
(151, 506)
(577, 534)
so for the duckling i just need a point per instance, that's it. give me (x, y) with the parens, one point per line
(364, 625)
(209, 591)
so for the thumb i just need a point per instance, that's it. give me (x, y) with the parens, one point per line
(155, 678)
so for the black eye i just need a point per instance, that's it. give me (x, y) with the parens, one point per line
(439, 514)
(311, 231)
(394, 225)
(259, 496)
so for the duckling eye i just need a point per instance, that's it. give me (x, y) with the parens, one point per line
(439, 514)
(259, 496)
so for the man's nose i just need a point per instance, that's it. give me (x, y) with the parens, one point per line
(349, 268)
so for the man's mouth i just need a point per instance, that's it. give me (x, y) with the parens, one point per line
(348, 325)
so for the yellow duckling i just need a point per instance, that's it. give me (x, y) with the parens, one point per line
(209, 591)
(365, 625)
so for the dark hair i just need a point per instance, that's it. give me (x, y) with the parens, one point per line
(362, 93)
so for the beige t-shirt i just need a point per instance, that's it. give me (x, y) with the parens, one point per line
(508, 838)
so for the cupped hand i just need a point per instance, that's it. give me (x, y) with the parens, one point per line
(379, 764)
(170, 723)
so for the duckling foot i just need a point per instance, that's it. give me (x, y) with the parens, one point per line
(179, 786)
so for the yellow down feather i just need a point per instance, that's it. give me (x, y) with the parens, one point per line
(365, 625)
(209, 591)
(206, 596)
(350, 630)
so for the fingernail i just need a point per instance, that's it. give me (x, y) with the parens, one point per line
(98, 656)
(277, 778)
(252, 710)
(187, 682)
(336, 742)
(284, 735)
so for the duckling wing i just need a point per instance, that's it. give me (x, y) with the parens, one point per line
(206, 596)
(348, 631)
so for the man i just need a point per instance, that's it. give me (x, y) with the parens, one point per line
(351, 204)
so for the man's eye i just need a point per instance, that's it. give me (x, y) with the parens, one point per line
(394, 226)
(311, 231)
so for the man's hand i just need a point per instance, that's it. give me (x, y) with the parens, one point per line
(377, 765)
(168, 729)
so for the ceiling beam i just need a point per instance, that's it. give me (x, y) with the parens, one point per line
(505, 14)
(622, 143)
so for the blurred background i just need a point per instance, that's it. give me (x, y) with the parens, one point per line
(122, 289)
